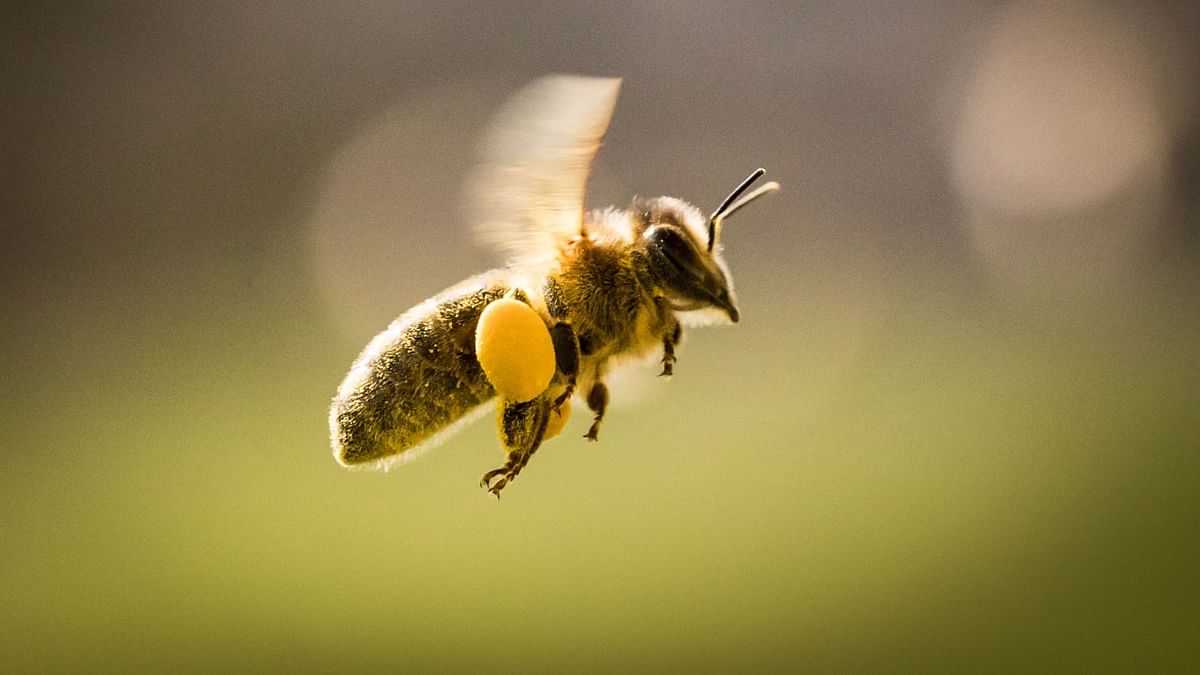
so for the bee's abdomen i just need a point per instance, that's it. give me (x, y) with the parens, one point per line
(414, 380)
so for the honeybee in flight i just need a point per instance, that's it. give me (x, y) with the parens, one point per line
(581, 292)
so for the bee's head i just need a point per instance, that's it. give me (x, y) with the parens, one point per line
(682, 252)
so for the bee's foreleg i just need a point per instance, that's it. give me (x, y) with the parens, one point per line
(597, 400)
(566, 357)
(522, 427)
(670, 340)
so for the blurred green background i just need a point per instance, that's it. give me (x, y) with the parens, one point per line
(955, 429)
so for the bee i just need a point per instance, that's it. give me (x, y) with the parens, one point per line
(580, 293)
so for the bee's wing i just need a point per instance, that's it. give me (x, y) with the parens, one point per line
(527, 195)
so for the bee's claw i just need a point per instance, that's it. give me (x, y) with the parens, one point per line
(486, 481)
(502, 476)
(495, 489)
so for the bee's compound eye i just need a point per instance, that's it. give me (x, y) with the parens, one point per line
(558, 419)
(671, 245)
(514, 350)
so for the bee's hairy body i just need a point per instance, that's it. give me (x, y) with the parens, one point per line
(421, 375)
(581, 292)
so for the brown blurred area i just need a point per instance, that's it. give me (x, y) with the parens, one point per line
(971, 318)
(144, 142)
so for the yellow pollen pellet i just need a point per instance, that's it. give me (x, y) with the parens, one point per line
(514, 349)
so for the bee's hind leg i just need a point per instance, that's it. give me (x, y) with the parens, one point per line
(522, 427)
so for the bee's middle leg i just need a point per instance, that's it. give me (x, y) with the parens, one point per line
(522, 427)
(566, 358)
(562, 335)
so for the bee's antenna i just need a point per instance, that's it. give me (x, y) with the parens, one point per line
(728, 206)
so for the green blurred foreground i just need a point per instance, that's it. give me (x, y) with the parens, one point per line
(951, 482)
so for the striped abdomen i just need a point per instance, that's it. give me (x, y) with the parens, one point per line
(415, 380)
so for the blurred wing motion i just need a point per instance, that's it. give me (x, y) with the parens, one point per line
(527, 195)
